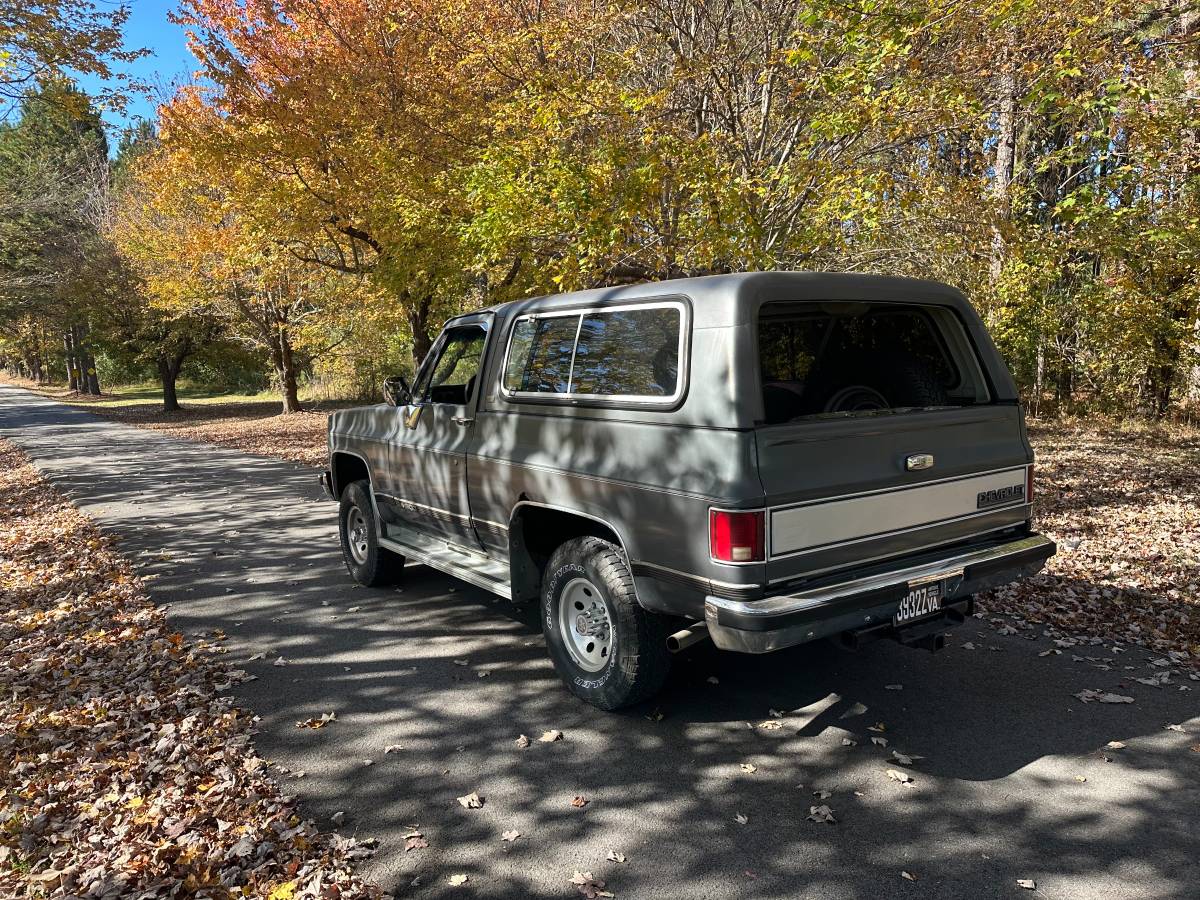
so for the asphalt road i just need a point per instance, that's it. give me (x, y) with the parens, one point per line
(248, 545)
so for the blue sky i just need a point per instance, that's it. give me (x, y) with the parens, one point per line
(169, 63)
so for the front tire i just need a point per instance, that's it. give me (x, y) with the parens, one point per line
(368, 563)
(608, 649)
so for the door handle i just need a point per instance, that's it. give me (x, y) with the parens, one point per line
(460, 420)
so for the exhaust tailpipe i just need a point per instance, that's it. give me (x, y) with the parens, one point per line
(685, 637)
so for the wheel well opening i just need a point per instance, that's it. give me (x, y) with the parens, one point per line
(346, 470)
(535, 533)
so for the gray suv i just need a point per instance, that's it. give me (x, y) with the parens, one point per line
(762, 459)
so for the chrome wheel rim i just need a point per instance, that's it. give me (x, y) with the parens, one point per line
(584, 625)
(356, 535)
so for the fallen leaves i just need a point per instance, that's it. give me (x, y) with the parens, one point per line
(749, 768)
(1027, 883)
(897, 775)
(549, 737)
(510, 836)
(590, 886)
(126, 772)
(522, 742)
(324, 720)
(458, 880)
(471, 801)
(614, 856)
(580, 802)
(1125, 509)
(741, 819)
(415, 842)
(1088, 696)
(821, 813)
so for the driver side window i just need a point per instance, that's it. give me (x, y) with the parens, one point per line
(452, 377)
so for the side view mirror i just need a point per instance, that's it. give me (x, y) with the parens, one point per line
(396, 391)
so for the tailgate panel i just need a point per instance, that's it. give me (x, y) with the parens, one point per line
(838, 493)
(821, 524)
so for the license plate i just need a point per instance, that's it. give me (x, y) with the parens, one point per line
(920, 601)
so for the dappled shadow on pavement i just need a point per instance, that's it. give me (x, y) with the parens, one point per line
(246, 545)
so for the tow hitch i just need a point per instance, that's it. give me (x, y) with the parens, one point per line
(926, 634)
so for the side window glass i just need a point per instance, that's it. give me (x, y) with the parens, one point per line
(539, 356)
(628, 353)
(452, 378)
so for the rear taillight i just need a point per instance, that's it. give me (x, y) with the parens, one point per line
(1029, 484)
(736, 536)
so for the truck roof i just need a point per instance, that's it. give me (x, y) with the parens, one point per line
(734, 299)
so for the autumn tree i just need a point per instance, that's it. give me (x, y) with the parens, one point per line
(190, 235)
(41, 42)
(355, 121)
(696, 136)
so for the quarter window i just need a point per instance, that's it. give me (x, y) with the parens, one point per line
(622, 353)
(539, 358)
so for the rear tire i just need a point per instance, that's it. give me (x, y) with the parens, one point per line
(608, 649)
(368, 563)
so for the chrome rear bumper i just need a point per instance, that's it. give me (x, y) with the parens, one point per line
(760, 626)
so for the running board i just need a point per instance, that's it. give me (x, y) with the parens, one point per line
(449, 557)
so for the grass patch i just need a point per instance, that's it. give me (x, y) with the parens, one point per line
(150, 393)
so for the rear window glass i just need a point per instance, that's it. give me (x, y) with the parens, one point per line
(849, 358)
(622, 353)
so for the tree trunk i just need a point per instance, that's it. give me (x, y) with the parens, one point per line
(169, 368)
(92, 377)
(1189, 23)
(1002, 175)
(418, 324)
(168, 375)
(89, 383)
(69, 351)
(286, 367)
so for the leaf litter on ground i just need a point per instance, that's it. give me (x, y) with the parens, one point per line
(1124, 506)
(127, 773)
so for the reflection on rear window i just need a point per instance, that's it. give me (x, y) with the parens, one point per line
(628, 353)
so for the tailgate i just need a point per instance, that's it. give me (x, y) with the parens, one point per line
(841, 492)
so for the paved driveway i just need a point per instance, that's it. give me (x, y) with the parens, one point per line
(247, 544)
